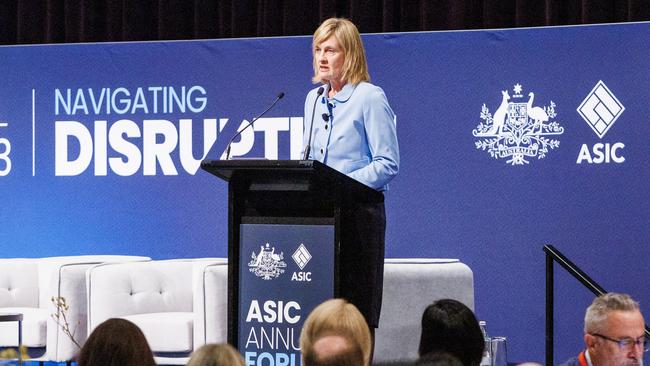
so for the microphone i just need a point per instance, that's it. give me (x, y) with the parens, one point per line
(319, 92)
(326, 117)
(280, 96)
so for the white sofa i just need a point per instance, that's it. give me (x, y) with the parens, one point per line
(188, 299)
(27, 286)
(410, 285)
(178, 304)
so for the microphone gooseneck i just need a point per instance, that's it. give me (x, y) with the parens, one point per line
(280, 96)
(319, 92)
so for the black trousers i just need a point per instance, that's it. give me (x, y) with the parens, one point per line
(362, 251)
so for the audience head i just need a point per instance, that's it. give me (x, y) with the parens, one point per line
(450, 326)
(216, 355)
(116, 342)
(334, 350)
(335, 317)
(614, 331)
(438, 358)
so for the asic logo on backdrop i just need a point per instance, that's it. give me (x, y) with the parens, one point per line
(518, 130)
(600, 109)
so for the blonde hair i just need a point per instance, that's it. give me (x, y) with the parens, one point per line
(355, 66)
(335, 350)
(335, 317)
(216, 355)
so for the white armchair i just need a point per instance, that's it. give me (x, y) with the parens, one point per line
(19, 293)
(410, 285)
(27, 286)
(183, 298)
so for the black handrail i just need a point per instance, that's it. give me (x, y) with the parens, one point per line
(553, 254)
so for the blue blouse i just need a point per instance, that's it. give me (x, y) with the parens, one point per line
(354, 133)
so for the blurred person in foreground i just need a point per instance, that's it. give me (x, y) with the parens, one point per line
(450, 326)
(614, 333)
(334, 350)
(216, 355)
(116, 342)
(438, 358)
(334, 331)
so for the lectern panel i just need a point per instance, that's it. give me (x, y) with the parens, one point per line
(285, 271)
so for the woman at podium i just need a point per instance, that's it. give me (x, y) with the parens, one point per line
(350, 127)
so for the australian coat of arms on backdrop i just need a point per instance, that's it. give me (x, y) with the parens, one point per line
(518, 129)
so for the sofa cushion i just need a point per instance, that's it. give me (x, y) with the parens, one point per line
(166, 332)
(18, 283)
(34, 327)
(118, 290)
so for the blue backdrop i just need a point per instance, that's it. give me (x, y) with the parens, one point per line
(99, 146)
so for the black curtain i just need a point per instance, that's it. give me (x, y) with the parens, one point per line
(69, 21)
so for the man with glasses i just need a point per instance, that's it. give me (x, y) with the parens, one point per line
(614, 333)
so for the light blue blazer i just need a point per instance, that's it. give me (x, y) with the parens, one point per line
(354, 133)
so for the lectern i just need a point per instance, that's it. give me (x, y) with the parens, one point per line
(284, 238)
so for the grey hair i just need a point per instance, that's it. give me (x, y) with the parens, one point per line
(597, 312)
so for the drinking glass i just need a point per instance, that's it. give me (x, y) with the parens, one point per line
(499, 351)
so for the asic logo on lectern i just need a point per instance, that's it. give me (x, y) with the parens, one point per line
(301, 256)
(518, 130)
(267, 264)
(600, 109)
